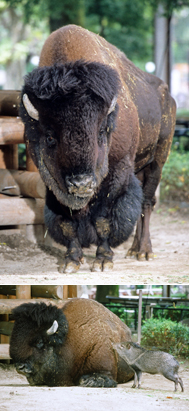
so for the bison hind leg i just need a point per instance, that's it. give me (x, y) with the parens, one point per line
(97, 380)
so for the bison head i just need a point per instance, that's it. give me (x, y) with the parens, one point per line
(69, 113)
(38, 333)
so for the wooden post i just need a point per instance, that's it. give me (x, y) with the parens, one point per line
(72, 291)
(9, 156)
(23, 291)
(9, 102)
(65, 291)
(139, 315)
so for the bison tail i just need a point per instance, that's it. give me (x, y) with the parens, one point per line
(125, 212)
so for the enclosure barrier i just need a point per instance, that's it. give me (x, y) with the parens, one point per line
(22, 192)
(16, 295)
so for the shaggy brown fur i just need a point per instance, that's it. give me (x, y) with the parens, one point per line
(80, 351)
(88, 145)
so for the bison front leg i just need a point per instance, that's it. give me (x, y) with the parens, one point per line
(65, 232)
(104, 254)
(97, 380)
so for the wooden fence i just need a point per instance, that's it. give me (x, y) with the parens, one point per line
(22, 192)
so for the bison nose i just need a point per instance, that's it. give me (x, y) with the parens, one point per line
(81, 185)
(23, 368)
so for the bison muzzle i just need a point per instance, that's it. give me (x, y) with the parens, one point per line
(92, 121)
(69, 346)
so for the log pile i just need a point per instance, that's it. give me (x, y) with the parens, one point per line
(22, 192)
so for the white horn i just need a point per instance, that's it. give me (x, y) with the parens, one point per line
(113, 104)
(53, 328)
(33, 113)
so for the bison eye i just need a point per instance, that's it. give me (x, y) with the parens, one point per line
(51, 141)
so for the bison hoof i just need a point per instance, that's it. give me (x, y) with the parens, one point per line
(97, 380)
(102, 264)
(131, 253)
(69, 267)
(145, 256)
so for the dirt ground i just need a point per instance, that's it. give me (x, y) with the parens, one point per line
(156, 394)
(24, 262)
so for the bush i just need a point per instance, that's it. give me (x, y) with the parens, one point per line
(173, 314)
(166, 335)
(175, 177)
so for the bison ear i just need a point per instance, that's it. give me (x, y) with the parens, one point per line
(53, 328)
(31, 110)
(112, 105)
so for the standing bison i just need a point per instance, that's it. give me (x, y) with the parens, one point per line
(69, 346)
(93, 120)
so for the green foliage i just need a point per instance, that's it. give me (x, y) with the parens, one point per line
(127, 315)
(175, 177)
(173, 314)
(166, 335)
(168, 5)
(128, 25)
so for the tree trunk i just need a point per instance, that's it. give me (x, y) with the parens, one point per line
(104, 290)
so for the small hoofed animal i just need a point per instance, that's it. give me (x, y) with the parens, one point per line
(152, 362)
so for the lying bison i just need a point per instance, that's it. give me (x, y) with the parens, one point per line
(93, 120)
(69, 346)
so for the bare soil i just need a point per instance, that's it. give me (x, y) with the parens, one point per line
(23, 262)
(156, 394)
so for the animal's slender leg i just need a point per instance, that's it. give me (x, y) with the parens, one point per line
(133, 251)
(135, 381)
(141, 247)
(139, 376)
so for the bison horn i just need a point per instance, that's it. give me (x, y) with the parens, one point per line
(113, 104)
(31, 110)
(53, 328)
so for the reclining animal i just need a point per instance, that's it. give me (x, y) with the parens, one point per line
(69, 346)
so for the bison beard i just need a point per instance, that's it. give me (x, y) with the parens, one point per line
(92, 119)
(68, 346)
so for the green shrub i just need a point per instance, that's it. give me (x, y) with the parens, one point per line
(166, 335)
(175, 177)
(173, 315)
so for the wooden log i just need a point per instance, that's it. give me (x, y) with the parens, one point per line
(11, 130)
(25, 183)
(6, 305)
(23, 291)
(9, 102)
(15, 211)
(72, 291)
(6, 328)
(9, 156)
(4, 352)
(46, 291)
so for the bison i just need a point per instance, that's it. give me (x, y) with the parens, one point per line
(67, 346)
(99, 130)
